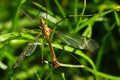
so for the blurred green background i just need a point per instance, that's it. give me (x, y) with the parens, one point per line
(16, 30)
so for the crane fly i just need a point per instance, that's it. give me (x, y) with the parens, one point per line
(80, 42)
(30, 48)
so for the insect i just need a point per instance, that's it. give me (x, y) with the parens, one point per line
(80, 42)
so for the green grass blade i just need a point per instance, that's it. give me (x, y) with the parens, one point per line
(16, 14)
(60, 8)
(93, 19)
(117, 18)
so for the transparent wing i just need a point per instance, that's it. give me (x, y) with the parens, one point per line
(28, 50)
(80, 42)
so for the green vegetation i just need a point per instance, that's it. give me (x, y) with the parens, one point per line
(17, 29)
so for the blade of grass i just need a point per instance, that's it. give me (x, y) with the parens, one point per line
(75, 10)
(16, 14)
(104, 75)
(101, 50)
(92, 20)
(13, 35)
(37, 75)
(88, 31)
(63, 76)
(42, 7)
(60, 8)
(82, 13)
(117, 18)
